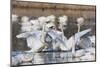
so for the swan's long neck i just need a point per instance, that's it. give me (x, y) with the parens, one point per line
(62, 32)
(43, 30)
(78, 28)
(73, 47)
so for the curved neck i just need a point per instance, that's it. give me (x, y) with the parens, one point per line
(78, 28)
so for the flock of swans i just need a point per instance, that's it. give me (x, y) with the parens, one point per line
(42, 34)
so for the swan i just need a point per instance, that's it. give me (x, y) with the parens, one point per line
(33, 38)
(84, 42)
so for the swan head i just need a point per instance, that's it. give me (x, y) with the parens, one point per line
(50, 18)
(80, 20)
(42, 20)
(63, 19)
(63, 22)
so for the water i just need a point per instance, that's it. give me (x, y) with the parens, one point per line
(43, 57)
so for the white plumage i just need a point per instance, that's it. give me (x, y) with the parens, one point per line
(33, 40)
(92, 38)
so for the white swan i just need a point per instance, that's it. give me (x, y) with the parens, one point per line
(68, 43)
